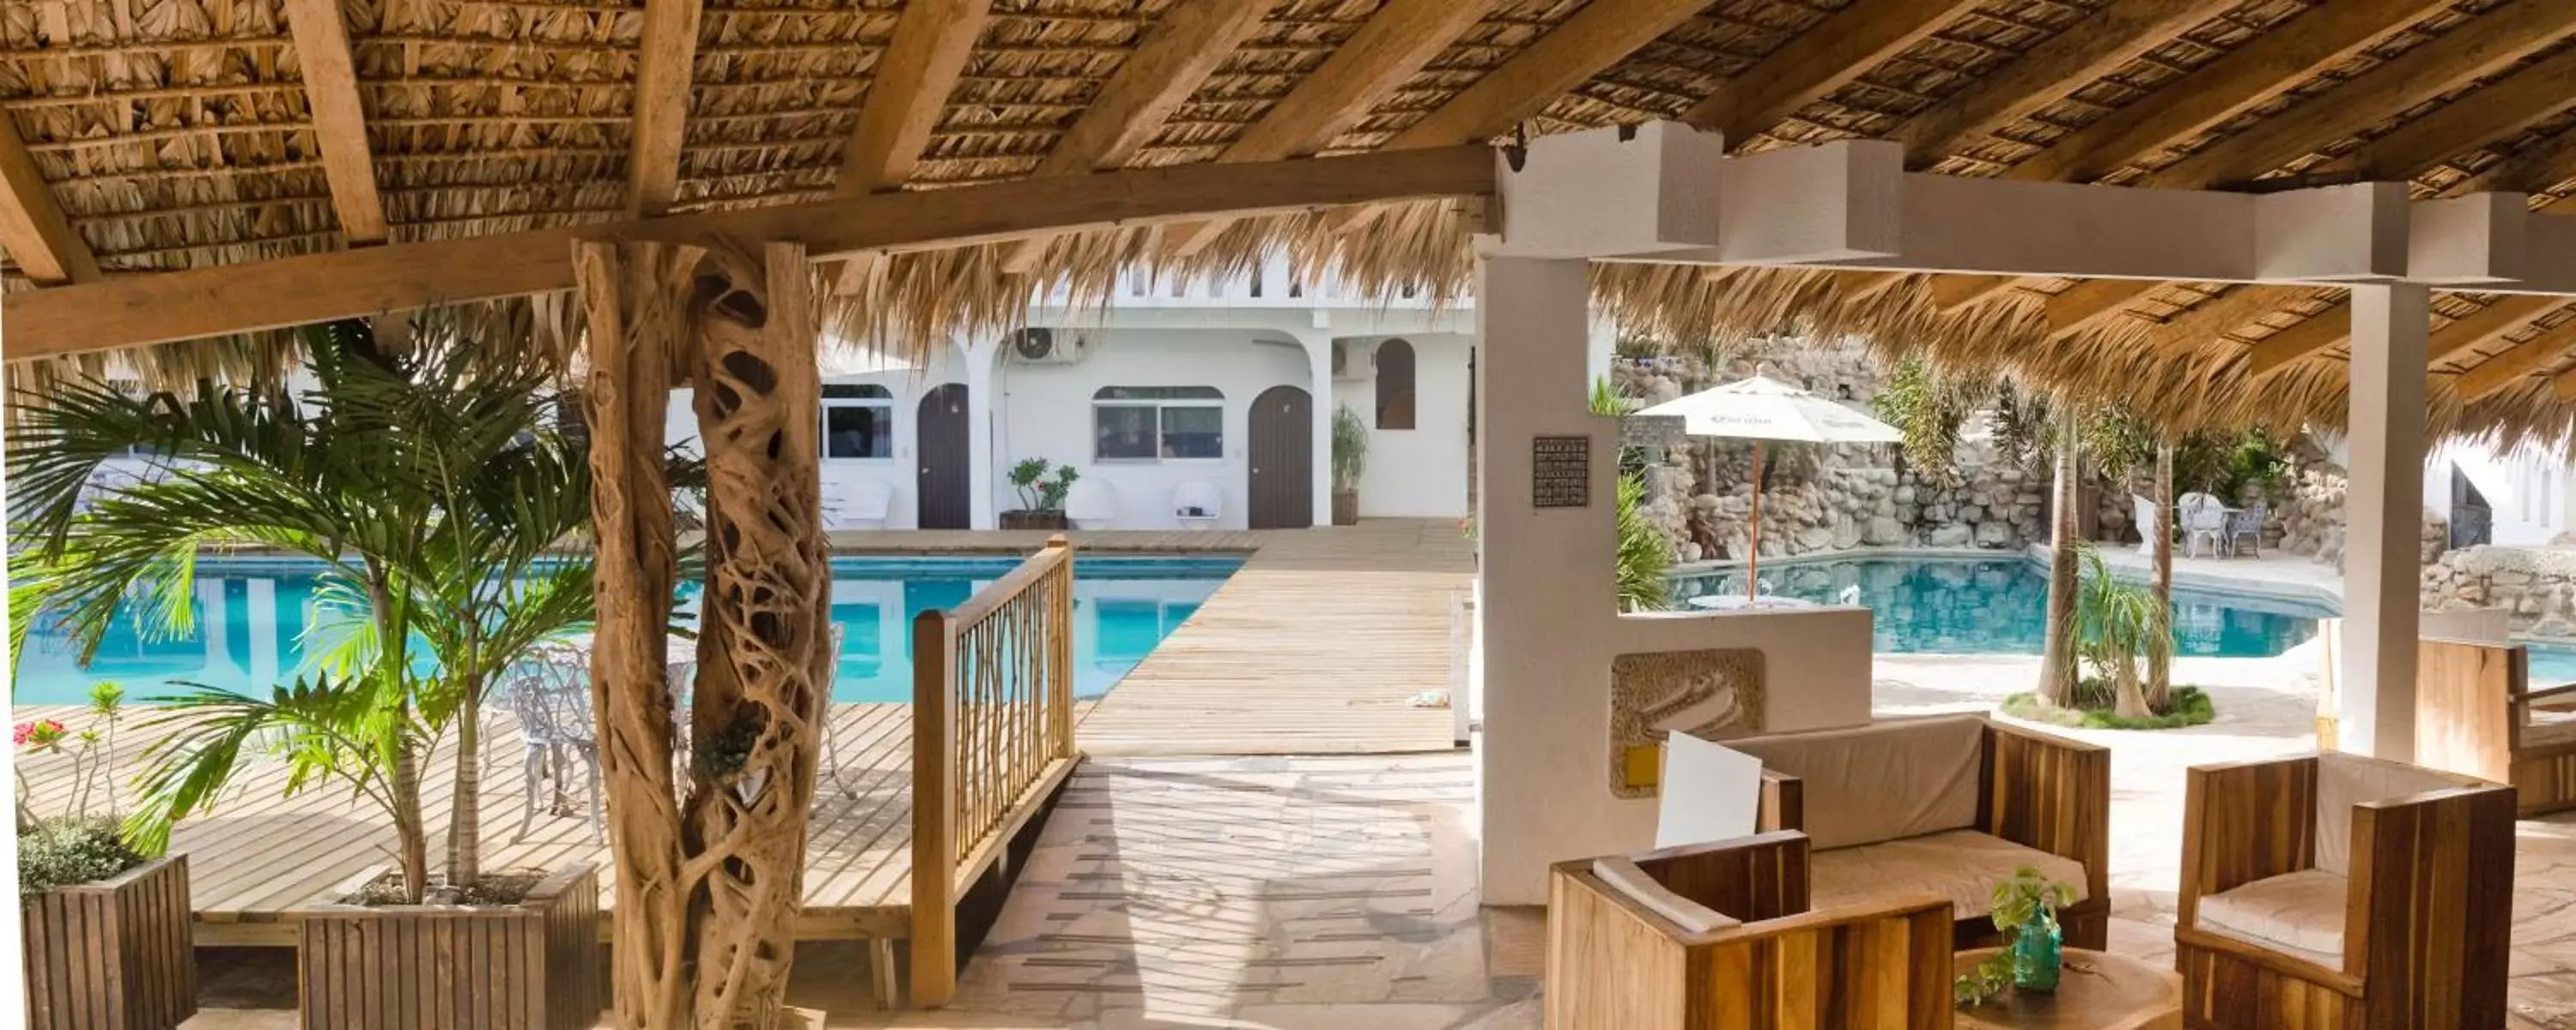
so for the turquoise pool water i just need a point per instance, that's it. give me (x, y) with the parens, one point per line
(255, 618)
(1999, 606)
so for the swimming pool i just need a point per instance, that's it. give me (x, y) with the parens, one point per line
(255, 617)
(1932, 605)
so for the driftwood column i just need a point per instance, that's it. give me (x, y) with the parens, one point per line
(708, 878)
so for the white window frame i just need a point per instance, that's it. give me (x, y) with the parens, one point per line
(1157, 404)
(893, 431)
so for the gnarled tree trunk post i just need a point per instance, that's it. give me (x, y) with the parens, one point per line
(634, 298)
(764, 677)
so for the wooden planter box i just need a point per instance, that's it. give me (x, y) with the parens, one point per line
(1346, 507)
(112, 955)
(532, 966)
(1033, 520)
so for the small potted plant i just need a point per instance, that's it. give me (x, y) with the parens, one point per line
(104, 928)
(1042, 487)
(1350, 459)
(2025, 913)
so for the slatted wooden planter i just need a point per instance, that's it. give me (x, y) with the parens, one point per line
(531, 966)
(112, 955)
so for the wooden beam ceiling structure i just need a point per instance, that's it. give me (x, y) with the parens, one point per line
(664, 69)
(2083, 53)
(339, 119)
(32, 227)
(2474, 50)
(1815, 63)
(221, 299)
(2516, 362)
(1392, 47)
(907, 95)
(1182, 49)
(2233, 83)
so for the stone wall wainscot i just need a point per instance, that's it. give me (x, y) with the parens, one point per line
(2536, 584)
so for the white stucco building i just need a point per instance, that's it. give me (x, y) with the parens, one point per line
(1175, 394)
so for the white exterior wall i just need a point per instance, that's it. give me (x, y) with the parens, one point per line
(1419, 472)
(900, 473)
(2527, 487)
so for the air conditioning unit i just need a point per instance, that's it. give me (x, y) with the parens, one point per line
(1350, 360)
(1047, 347)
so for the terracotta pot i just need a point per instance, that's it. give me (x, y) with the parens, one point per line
(530, 966)
(1023, 519)
(116, 954)
(1346, 507)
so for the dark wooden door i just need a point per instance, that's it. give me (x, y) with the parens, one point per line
(1283, 459)
(947, 495)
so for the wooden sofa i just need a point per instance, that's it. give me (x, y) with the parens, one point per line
(1945, 805)
(2336, 891)
(1721, 936)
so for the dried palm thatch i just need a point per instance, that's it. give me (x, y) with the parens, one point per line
(180, 134)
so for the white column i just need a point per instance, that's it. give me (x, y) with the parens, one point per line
(1600, 345)
(2383, 521)
(1319, 368)
(979, 356)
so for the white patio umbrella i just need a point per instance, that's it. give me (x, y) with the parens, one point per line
(1760, 408)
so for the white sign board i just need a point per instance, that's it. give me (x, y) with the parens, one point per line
(1710, 792)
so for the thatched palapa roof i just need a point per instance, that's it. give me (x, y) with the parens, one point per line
(147, 136)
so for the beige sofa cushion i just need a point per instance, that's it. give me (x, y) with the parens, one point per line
(2300, 914)
(1961, 865)
(1623, 876)
(2347, 780)
(1891, 779)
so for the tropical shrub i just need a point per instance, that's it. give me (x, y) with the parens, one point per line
(70, 851)
(2117, 625)
(1645, 558)
(1350, 449)
(1041, 485)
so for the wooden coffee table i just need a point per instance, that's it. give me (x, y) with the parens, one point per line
(2094, 992)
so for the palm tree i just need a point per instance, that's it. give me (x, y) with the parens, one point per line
(426, 482)
(2057, 673)
(1644, 562)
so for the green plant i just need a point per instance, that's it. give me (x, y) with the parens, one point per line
(2230, 465)
(2117, 624)
(1039, 492)
(1929, 410)
(2187, 706)
(432, 483)
(68, 851)
(2025, 900)
(1350, 449)
(1645, 560)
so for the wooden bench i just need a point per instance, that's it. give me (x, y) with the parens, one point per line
(1720, 936)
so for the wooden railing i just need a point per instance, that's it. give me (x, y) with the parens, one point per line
(992, 736)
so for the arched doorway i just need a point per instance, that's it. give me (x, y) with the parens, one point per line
(1282, 488)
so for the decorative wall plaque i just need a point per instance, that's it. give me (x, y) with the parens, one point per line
(1560, 471)
(1714, 694)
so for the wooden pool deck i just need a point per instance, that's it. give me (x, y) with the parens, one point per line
(1316, 646)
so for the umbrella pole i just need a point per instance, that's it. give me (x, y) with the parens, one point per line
(1753, 555)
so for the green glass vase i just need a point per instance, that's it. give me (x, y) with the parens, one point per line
(2035, 956)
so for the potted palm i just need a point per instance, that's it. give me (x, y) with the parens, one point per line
(106, 929)
(1350, 459)
(1041, 486)
(430, 489)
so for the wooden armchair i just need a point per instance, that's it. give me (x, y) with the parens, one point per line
(2335, 891)
(1948, 805)
(2476, 715)
(1719, 935)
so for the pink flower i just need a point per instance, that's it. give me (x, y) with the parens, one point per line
(39, 735)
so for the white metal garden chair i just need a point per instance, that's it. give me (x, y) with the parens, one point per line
(550, 693)
(2204, 520)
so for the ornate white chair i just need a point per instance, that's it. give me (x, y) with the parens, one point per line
(549, 691)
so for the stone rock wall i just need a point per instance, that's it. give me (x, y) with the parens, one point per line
(2536, 584)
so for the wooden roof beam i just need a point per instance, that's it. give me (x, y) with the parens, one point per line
(339, 120)
(662, 76)
(2317, 39)
(2088, 50)
(1390, 49)
(2563, 385)
(1182, 49)
(907, 93)
(1815, 63)
(2498, 111)
(2515, 362)
(32, 227)
(222, 299)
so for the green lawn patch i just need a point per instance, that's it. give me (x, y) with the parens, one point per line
(2189, 706)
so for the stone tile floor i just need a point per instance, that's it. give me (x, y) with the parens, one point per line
(1339, 892)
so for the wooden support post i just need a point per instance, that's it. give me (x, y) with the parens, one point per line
(934, 812)
(2381, 578)
(1060, 652)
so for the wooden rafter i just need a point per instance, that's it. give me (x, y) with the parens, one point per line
(2326, 328)
(1184, 47)
(1843, 47)
(906, 96)
(288, 291)
(662, 76)
(2294, 52)
(2539, 166)
(1362, 73)
(2498, 111)
(339, 120)
(2563, 385)
(1600, 35)
(32, 227)
(2515, 362)
(2087, 303)
(2085, 52)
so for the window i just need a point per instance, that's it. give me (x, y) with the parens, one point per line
(858, 421)
(1395, 385)
(1153, 423)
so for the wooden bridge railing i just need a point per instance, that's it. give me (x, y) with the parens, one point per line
(992, 735)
